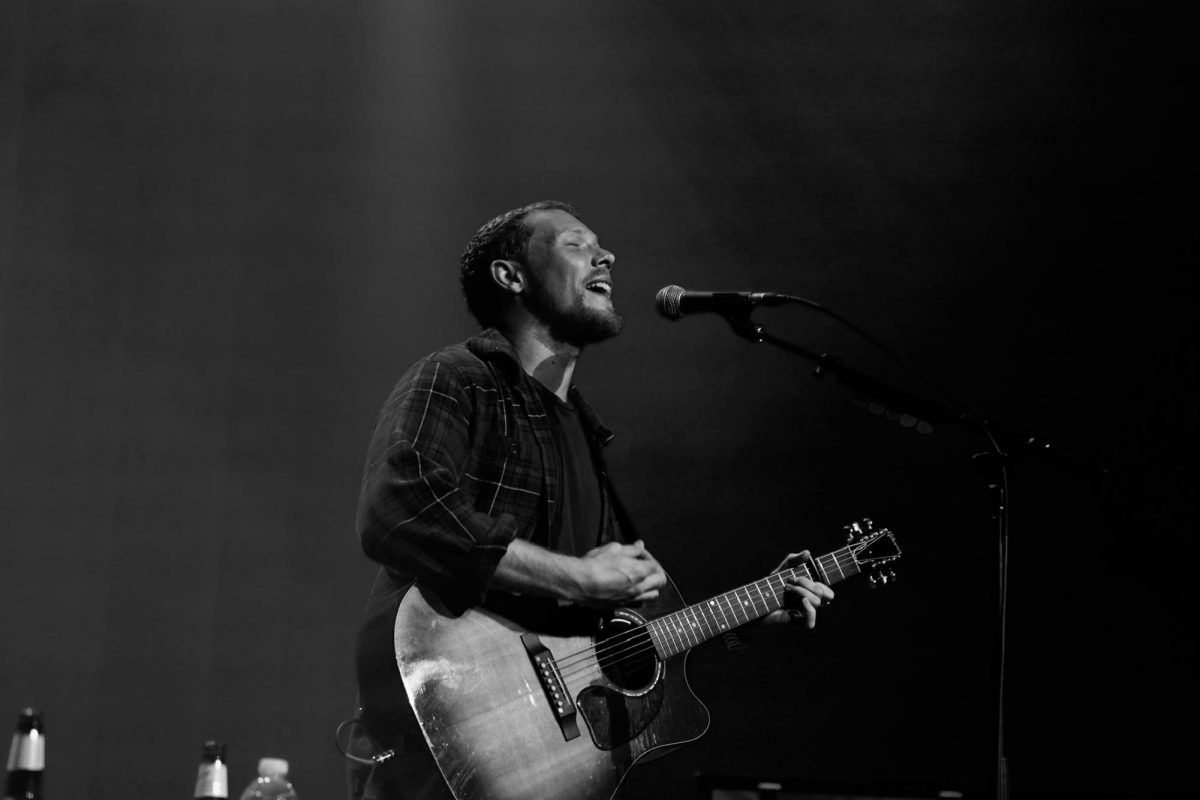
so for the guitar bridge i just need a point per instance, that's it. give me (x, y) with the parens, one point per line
(552, 684)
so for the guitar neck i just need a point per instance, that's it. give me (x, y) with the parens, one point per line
(684, 629)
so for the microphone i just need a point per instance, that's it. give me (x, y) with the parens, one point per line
(674, 301)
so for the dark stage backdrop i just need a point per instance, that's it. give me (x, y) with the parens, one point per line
(227, 227)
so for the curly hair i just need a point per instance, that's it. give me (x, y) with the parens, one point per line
(505, 237)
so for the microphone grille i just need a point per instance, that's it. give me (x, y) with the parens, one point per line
(667, 301)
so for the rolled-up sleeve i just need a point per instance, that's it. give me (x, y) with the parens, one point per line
(413, 513)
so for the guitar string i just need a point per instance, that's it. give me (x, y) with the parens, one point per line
(640, 641)
(617, 648)
(632, 643)
(724, 604)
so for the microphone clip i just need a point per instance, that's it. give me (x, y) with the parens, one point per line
(743, 326)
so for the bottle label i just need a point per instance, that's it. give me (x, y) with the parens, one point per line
(212, 781)
(28, 751)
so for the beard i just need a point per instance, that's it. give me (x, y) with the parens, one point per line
(575, 324)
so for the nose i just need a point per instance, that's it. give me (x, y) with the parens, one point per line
(604, 258)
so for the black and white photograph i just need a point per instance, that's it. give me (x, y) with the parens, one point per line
(598, 400)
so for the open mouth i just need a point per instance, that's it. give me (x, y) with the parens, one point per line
(601, 287)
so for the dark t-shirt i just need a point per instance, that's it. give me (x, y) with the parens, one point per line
(575, 517)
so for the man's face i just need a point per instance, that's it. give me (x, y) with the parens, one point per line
(570, 279)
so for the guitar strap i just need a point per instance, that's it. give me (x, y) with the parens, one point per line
(616, 522)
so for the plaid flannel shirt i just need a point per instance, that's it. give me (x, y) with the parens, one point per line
(461, 463)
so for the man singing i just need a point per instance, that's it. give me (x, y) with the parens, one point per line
(485, 481)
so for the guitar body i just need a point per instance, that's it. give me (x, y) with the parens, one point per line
(542, 702)
(489, 718)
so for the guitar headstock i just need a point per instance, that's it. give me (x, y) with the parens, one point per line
(874, 550)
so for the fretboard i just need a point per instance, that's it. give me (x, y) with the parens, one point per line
(688, 627)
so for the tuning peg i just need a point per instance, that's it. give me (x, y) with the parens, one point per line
(853, 531)
(867, 524)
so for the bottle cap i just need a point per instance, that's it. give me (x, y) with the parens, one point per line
(213, 751)
(268, 767)
(30, 719)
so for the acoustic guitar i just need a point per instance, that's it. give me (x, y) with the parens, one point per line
(560, 707)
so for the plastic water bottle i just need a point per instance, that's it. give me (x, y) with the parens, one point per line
(271, 783)
(26, 758)
(212, 778)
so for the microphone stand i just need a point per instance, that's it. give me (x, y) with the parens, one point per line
(920, 408)
(923, 414)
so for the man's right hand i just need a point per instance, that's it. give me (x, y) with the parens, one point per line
(618, 574)
(612, 575)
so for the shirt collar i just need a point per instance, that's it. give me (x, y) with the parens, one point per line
(492, 345)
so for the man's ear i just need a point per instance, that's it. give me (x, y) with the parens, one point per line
(508, 275)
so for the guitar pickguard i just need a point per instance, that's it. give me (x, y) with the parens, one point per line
(613, 718)
(617, 713)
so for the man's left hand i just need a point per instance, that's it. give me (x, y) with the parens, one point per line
(801, 596)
